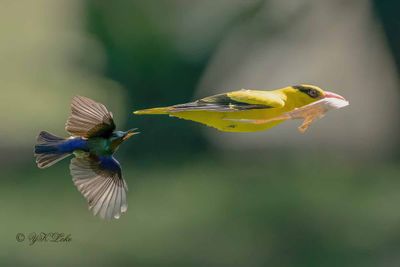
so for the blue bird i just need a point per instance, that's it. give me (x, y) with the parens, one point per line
(94, 170)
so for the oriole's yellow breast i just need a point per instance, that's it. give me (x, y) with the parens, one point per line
(229, 121)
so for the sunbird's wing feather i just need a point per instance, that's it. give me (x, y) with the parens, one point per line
(89, 119)
(233, 101)
(100, 181)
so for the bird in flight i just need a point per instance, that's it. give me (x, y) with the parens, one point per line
(94, 170)
(256, 110)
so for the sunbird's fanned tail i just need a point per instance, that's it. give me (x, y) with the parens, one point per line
(47, 150)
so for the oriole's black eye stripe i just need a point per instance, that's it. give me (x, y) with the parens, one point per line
(307, 90)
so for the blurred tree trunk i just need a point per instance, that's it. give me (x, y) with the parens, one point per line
(142, 55)
(388, 13)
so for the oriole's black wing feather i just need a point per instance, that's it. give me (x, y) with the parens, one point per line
(220, 102)
(89, 119)
(100, 181)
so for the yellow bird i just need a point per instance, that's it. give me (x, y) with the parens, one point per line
(243, 110)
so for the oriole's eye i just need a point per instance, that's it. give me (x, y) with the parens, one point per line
(313, 93)
(307, 90)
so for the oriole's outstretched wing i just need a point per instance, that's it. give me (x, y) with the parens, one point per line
(234, 101)
(273, 99)
(100, 181)
(89, 119)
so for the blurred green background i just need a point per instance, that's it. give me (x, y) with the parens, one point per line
(199, 197)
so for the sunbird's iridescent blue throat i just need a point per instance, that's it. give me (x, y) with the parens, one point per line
(245, 110)
(95, 172)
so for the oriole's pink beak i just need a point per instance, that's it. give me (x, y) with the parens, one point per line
(333, 95)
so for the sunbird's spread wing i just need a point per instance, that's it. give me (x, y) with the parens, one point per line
(89, 119)
(234, 101)
(100, 181)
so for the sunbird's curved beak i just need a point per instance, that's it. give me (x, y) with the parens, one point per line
(333, 95)
(129, 134)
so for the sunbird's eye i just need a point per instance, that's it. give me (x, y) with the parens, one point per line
(313, 93)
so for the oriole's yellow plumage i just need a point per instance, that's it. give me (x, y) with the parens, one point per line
(229, 111)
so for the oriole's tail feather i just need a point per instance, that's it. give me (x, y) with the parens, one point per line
(47, 150)
(192, 106)
(163, 110)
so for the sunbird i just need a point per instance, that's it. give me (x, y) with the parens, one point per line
(94, 170)
(248, 110)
